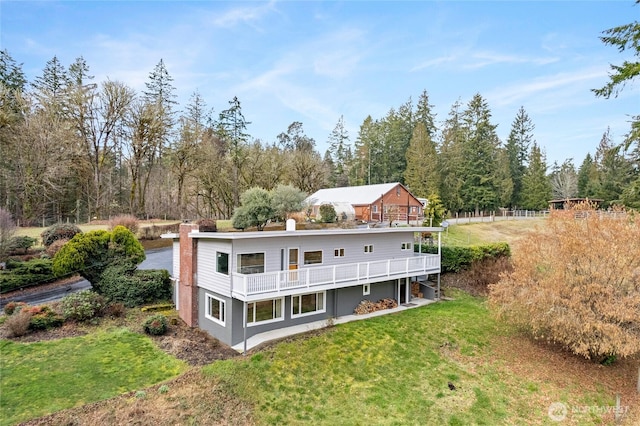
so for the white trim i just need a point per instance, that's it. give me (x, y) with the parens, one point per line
(269, 321)
(228, 264)
(366, 289)
(223, 310)
(318, 311)
(304, 260)
(264, 260)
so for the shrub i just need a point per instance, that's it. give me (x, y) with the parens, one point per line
(22, 274)
(327, 213)
(22, 242)
(91, 253)
(14, 307)
(55, 247)
(60, 231)
(115, 310)
(18, 324)
(127, 220)
(576, 282)
(43, 318)
(153, 232)
(457, 258)
(155, 325)
(207, 225)
(119, 283)
(82, 306)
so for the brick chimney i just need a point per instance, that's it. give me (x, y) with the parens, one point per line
(188, 290)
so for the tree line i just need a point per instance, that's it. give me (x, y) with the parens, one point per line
(75, 149)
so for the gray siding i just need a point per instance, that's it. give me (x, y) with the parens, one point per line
(216, 330)
(339, 302)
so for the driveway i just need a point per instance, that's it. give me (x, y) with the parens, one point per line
(156, 259)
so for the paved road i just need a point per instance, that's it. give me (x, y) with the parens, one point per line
(156, 259)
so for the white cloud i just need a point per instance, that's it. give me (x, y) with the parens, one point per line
(244, 15)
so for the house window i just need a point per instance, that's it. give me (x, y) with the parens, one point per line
(264, 311)
(368, 248)
(215, 309)
(251, 263)
(307, 304)
(312, 257)
(222, 263)
(366, 289)
(375, 208)
(398, 191)
(338, 252)
(407, 246)
(413, 209)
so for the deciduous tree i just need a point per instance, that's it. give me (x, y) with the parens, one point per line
(576, 282)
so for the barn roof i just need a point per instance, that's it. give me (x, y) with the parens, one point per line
(354, 195)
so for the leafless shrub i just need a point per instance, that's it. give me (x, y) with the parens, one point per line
(18, 323)
(128, 221)
(55, 246)
(576, 282)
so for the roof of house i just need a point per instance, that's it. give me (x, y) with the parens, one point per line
(301, 233)
(354, 195)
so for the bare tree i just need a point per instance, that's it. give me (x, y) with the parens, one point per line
(95, 116)
(7, 229)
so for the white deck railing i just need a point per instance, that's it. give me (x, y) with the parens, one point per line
(333, 276)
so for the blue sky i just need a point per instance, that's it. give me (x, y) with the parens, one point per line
(316, 61)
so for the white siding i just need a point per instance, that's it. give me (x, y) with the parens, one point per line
(207, 276)
(176, 259)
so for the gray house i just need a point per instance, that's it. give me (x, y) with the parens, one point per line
(236, 285)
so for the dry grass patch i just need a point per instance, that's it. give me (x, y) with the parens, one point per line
(192, 398)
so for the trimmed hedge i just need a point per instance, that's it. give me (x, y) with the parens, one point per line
(457, 258)
(22, 274)
(135, 288)
(59, 231)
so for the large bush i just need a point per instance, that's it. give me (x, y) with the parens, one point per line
(576, 282)
(21, 274)
(457, 258)
(82, 306)
(327, 213)
(129, 221)
(60, 231)
(255, 210)
(91, 253)
(119, 283)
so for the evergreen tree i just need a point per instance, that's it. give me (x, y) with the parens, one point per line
(480, 184)
(614, 171)
(232, 128)
(11, 75)
(422, 175)
(536, 188)
(366, 170)
(451, 160)
(588, 178)
(517, 150)
(340, 154)
(54, 80)
(424, 114)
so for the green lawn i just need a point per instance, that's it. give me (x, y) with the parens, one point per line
(44, 377)
(488, 232)
(392, 369)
